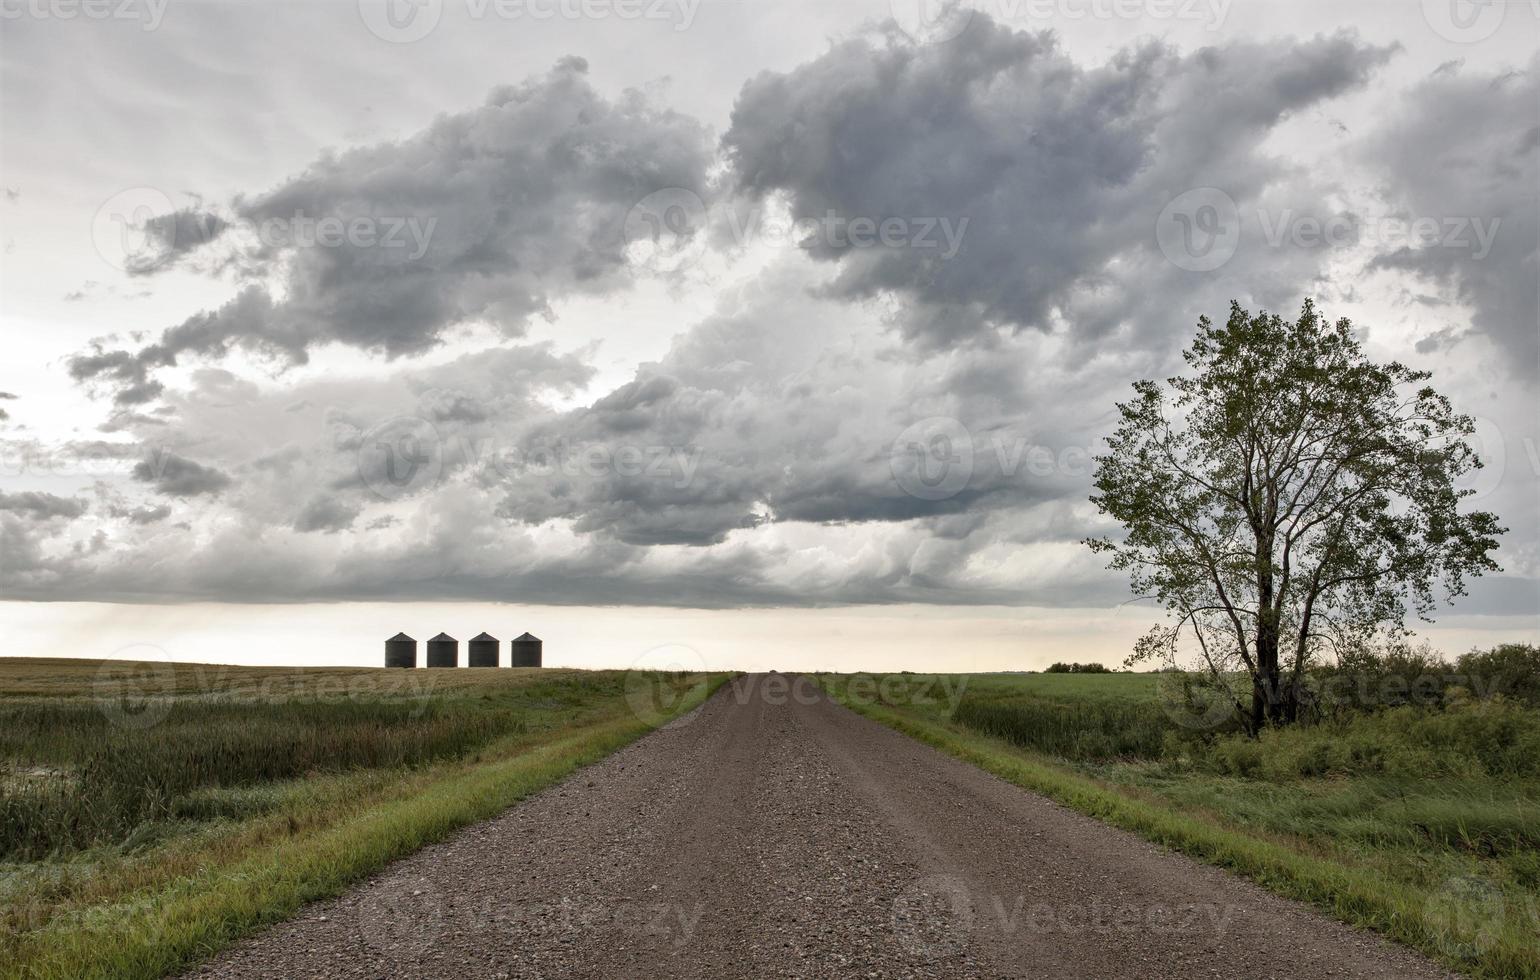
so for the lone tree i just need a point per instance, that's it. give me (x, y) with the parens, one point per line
(1286, 499)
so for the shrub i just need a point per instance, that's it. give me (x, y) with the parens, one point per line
(1511, 669)
(1367, 679)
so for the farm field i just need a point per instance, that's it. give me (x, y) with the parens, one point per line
(1420, 822)
(151, 813)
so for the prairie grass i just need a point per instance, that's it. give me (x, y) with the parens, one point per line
(149, 820)
(1072, 727)
(102, 781)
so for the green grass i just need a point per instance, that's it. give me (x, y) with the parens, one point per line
(133, 849)
(1421, 824)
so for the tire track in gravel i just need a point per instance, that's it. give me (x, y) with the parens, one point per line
(772, 833)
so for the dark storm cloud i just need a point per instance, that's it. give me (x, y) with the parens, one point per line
(168, 237)
(126, 372)
(1058, 169)
(487, 216)
(41, 506)
(177, 476)
(329, 514)
(143, 515)
(1461, 148)
(781, 410)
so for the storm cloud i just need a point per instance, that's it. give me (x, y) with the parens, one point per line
(41, 505)
(1461, 153)
(177, 476)
(1058, 170)
(837, 421)
(484, 217)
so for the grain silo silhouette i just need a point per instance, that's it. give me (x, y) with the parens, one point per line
(526, 651)
(401, 651)
(481, 651)
(443, 651)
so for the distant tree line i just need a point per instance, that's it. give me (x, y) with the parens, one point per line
(1062, 668)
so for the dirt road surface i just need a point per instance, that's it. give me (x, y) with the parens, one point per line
(772, 833)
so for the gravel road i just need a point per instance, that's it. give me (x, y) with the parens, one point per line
(772, 833)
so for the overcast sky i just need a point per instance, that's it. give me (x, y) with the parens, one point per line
(409, 311)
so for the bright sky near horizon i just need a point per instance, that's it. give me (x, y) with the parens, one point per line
(616, 321)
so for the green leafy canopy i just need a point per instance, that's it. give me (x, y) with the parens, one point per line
(1287, 497)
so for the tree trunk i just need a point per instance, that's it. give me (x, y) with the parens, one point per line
(1267, 686)
(1267, 689)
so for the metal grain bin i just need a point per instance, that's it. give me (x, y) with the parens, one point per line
(482, 651)
(401, 651)
(525, 651)
(443, 651)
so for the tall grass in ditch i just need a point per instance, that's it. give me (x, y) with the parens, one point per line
(72, 779)
(1406, 714)
(1492, 738)
(1469, 739)
(1081, 729)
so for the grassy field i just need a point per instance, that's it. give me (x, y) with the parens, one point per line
(1421, 821)
(150, 814)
